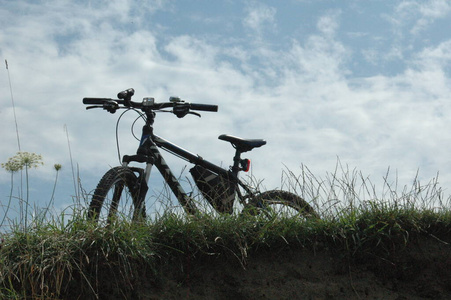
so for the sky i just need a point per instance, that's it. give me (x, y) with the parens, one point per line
(364, 85)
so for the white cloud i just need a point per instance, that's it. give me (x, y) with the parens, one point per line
(420, 13)
(260, 18)
(437, 57)
(431, 11)
(328, 24)
(301, 98)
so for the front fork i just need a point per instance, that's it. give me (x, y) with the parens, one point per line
(141, 186)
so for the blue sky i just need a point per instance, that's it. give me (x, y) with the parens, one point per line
(367, 82)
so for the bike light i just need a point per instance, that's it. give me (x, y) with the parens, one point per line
(148, 101)
(175, 99)
(245, 164)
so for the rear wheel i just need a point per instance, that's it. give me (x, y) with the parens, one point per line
(116, 198)
(283, 204)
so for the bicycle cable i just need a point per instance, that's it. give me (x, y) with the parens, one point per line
(117, 130)
(117, 137)
(141, 116)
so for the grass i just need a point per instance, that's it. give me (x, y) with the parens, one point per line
(65, 256)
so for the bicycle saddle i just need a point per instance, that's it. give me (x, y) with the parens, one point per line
(240, 144)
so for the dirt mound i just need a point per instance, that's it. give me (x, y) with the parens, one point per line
(422, 270)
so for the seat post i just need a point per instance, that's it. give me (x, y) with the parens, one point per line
(236, 162)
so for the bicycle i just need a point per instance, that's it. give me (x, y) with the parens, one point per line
(128, 185)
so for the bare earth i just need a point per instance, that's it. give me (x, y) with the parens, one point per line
(421, 271)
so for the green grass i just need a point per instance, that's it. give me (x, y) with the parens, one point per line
(56, 261)
(69, 256)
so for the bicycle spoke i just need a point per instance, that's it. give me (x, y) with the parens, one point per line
(114, 199)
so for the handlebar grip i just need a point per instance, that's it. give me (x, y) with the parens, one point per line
(95, 100)
(204, 107)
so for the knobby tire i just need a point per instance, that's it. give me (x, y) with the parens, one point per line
(123, 183)
(266, 199)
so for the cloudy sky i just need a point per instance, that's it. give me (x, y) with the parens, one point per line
(365, 82)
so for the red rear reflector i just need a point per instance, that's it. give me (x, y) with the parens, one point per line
(247, 165)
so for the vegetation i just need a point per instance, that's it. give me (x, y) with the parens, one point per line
(66, 256)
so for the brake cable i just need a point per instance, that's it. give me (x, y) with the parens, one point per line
(141, 116)
(117, 129)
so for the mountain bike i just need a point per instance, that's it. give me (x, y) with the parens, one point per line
(121, 192)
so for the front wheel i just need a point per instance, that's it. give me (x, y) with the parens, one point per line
(283, 204)
(117, 197)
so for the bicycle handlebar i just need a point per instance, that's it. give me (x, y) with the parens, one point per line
(94, 101)
(193, 106)
(204, 107)
(178, 106)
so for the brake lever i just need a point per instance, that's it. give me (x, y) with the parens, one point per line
(183, 114)
(194, 113)
(94, 106)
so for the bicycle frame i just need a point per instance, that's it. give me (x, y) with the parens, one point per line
(149, 153)
(219, 186)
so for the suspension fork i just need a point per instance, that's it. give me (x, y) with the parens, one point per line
(141, 186)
